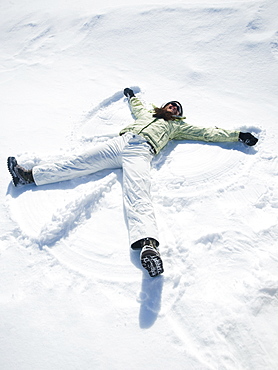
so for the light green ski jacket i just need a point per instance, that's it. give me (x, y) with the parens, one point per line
(159, 132)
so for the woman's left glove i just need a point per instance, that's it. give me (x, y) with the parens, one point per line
(247, 138)
(128, 93)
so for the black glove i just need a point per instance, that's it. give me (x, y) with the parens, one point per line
(128, 93)
(247, 138)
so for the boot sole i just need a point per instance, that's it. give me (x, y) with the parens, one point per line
(153, 264)
(11, 162)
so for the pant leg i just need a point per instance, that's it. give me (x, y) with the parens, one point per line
(103, 156)
(138, 205)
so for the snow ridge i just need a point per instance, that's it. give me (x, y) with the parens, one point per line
(67, 219)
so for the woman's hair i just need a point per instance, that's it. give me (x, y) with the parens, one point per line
(162, 113)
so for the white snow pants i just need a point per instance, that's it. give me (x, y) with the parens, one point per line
(130, 152)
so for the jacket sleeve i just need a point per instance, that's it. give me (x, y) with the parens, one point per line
(213, 134)
(137, 107)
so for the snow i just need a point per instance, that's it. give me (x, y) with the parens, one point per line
(73, 295)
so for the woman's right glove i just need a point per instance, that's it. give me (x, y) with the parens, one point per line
(247, 138)
(128, 93)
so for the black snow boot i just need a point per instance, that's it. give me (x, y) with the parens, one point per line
(150, 257)
(247, 138)
(20, 175)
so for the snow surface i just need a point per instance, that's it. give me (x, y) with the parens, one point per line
(73, 295)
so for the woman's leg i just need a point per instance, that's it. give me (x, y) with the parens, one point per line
(103, 156)
(136, 192)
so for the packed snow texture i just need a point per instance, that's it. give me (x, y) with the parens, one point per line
(73, 295)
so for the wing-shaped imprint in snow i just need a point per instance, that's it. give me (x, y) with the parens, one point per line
(66, 219)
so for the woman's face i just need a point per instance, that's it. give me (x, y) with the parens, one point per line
(172, 108)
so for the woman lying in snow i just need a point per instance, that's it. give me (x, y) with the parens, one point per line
(132, 151)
